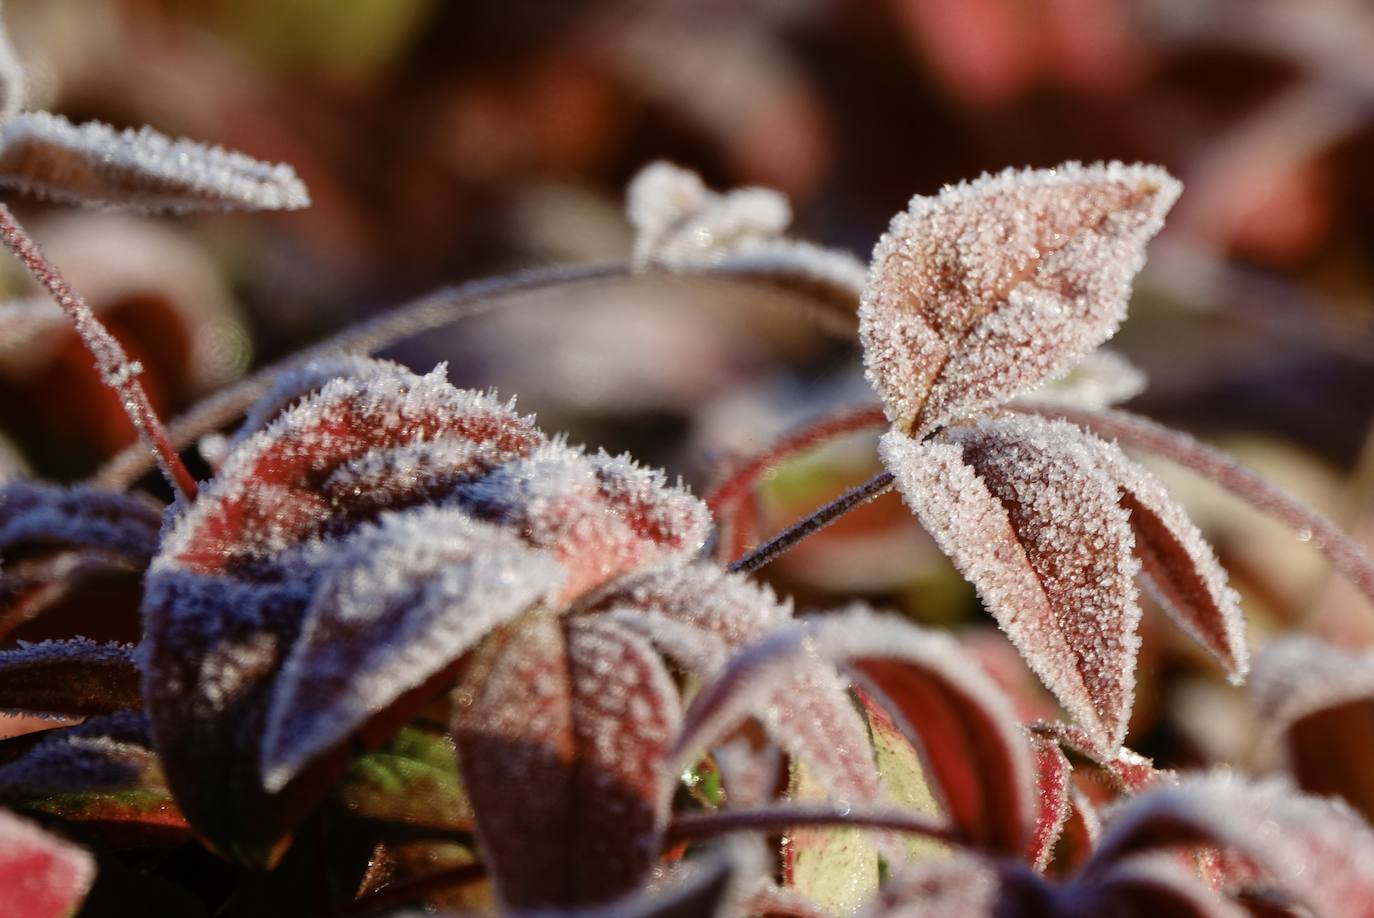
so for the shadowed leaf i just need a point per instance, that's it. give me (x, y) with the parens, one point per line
(140, 170)
(72, 677)
(412, 779)
(41, 876)
(1026, 515)
(981, 293)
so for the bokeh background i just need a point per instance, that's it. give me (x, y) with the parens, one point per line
(449, 140)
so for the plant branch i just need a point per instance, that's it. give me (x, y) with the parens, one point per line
(817, 520)
(116, 369)
(710, 823)
(1344, 553)
(432, 311)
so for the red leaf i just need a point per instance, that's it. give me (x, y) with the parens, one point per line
(1054, 787)
(41, 876)
(981, 293)
(561, 735)
(1024, 512)
(972, 749)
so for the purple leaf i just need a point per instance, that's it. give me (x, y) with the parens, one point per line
(37, 516)
(981, 293)
(400, 602)
(74, 677)
(41, 876)
(972, 749)
(1149, 887)
(140, 170)
(561, 732)
(1025, 513)
(1319, 851)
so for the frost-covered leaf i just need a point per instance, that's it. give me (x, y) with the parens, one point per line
(904, 779)
(561, 737)
(41, 876)
(71, 677)
(951, 886)
(102, 775)
(401, 602)
(1123, 773)
(13, 82)
(274, 489)
(1151, 886)
(1101, 379)
(1054, 789)
(1178, 565)
(835, 867)
(412, 779)
(984, 291)
(293, 386)
(972, 750)
(597, 515)
(140, 170)
(1318, 702)
(1025, 513)
(36, 516)
(1317, 851)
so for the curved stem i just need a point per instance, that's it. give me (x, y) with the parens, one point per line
(710, 823)
(116, 369)
(1131, 430)
(817, 520)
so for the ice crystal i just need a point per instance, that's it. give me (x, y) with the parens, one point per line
(400, 601)
(141, 170)
(991, 287)
(68, 677)
(1024, 511)
(42, 876)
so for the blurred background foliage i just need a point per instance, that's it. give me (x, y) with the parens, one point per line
(447, 140)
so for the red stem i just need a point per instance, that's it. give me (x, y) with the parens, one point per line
(116, 369)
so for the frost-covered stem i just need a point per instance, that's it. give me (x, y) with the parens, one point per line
(1344, 553)
(818, 519)
(778, 819)
(727, 499)
(398, 894)
(116, 369)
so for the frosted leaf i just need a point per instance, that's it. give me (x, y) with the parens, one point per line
(677, 220)
(1126, 772)
(102, 754)
(748, 774)
(35, 515)
(904, 781)
(1025, 513)
(140, 170)
(1178, 565)
(1297, 677)
(560, 740)
(13, 81)
(1053, 785)
(269, 496)
(74, 677)
(401, 602)
(599, 516)
(831, 278)
(991, 287)
(837, 867)
(1156, 885)
(294, 385)
(42, 876)
(972, 749)
(1318, 851)
(1101, 379)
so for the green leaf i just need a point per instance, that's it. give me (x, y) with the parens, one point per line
(899, 765)
(412, 779)
(835, 868)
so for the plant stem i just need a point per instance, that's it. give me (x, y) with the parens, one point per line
(432, 311)
(815, 521)
(1131, 430)
(709, 823)
(116, 369)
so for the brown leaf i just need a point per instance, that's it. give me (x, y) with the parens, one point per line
(993, 286)
(73, 677)
(1025, 513)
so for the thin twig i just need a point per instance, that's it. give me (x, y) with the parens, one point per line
(116, 369)
(710, 823)
(855, 497)
(1131, 430)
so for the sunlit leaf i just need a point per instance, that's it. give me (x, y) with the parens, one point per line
(984, 291)
(903, 776)
(837, 868)
(1024, 512)
(140, 170)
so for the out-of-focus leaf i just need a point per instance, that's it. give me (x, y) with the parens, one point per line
(412, 779)
(903, 776)
(1026, 514)
(958, 885)
(836, 868)
(981, 293)
(41, 876)
(72, 677)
